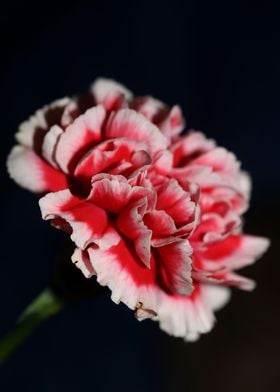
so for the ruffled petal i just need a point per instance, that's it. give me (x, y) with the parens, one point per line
(102, 87)
(160, 223)
(130, 124)
(189, 317)
(115, 156)
(81, 259)
(32, 131)
(176, 202)
(49, 144)
(88, 222)
(149, 107)
(127, 277)
(79, 137)
(169, 121)
(234, 252)
(222, 162)
(130, 223)
(113, 192)
(175, 267)
(173, 123)
(194, 151)
(136, 286)
(225, 279)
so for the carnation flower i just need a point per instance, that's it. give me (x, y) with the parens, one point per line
(154, 215)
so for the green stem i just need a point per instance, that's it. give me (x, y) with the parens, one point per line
(44, 306)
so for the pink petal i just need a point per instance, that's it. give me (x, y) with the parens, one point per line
(235, 280)
(174, 122)
(135, 285)
(175, 202)
(225, 279)
(163, 162)
(244, 184)
(87, 221)
(114, 101)
(130, 223)
(130, 124)
(49, 144)
(71, 111)
(212, 228)
(221, 161)
(190, 146)
(114, 157)
(170, 122)
(175, 267)
(102, 87)
(160, 223)
(128, 279)
(113, 192)
(234, 252)
(79, 137)
(149, 107)
(29, 171)
(36, 126)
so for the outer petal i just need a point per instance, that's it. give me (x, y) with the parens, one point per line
(29, 171)
(102, 87)
(224, 278)
(149, 107)
(79, 137)
(128, 279)
(130, 124)
(130, 222)
(236, 251)
(70, 112)
(188, 317)
(88, 222)
(174, 122)
(169, 121)
(245, 184)
(135, 285)
(235, 280)
(194, 152)
(31, 132)
(190, 146)
(81, 259)
(222, 162)
(49, 144)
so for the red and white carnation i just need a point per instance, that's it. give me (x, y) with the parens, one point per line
(155, 216)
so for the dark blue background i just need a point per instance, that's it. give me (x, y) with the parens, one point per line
(221, 63)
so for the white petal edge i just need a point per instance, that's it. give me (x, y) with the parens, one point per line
(181, 317)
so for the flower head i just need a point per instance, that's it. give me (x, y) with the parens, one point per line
(155, 216)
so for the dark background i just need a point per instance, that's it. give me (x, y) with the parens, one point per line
(221, 62)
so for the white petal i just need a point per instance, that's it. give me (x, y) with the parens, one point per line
(84, 131)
